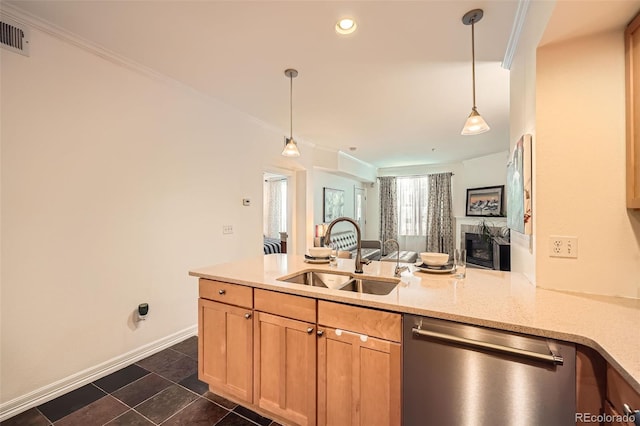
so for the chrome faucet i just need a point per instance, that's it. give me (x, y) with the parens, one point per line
(399, 268)
(359, 260)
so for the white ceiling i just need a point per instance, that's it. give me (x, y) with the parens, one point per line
(398, 89)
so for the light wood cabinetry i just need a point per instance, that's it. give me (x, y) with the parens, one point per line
(591, 382)
(225, 338)
(632, 47)
(601, 390)
(358, 369)
(619, 393)
(285, 356)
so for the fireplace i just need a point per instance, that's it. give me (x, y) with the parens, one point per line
(479, 250)
(487, 253)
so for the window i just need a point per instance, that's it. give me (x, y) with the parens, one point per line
(412, 193)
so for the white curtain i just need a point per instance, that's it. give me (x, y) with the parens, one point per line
(275, 208)
(412, 193)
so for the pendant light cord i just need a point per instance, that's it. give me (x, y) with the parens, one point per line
(291, 106)
(473, 62)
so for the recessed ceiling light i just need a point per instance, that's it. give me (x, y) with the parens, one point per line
(346, 26)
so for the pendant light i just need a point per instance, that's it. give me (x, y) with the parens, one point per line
(475, 124)
(290, 146)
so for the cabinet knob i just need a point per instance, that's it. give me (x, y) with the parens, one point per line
(247, 315)
(320, 333)
(310, 330)
(222, 291)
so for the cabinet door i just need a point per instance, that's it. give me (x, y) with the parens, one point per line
(632, 40)
(358, 380)
(285, 367)
(225, 348)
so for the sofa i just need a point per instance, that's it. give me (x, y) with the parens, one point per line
(346, 241)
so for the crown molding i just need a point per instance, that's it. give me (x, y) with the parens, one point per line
(516, 32)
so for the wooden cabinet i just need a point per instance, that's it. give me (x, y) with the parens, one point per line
(285, 367)
(619, 393)
(358, 374)
(285, 356)
(225, 348)
(632, 47)
(591, 383)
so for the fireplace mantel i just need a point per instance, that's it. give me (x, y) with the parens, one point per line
(498, 222)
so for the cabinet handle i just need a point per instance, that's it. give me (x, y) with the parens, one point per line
(320, 333)
(310, 330)
(551, 357)
(247, 315)
(222, 291)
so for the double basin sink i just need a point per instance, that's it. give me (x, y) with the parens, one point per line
(346, 282)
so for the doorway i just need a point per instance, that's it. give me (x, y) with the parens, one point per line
(275, 205)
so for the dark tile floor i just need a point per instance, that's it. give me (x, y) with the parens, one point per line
(162, 389)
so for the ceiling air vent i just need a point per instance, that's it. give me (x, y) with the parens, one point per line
(14, 37)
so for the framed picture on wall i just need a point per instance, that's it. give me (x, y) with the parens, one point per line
(486, 201)
(333, 205)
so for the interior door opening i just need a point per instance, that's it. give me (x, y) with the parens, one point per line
(275, 209)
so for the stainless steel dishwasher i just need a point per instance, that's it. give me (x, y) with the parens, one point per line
(457, 374)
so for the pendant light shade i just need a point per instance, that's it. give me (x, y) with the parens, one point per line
(290, 145)
(290, 148)
(475, 124)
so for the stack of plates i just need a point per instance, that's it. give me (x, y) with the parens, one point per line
(444, 269)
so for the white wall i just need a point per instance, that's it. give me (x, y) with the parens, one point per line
(522, 120)
(488, 170)
(580, 125)
(114, 185)
(322, 179)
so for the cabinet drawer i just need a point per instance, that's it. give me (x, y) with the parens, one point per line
(232, 294)
(620, 392)
(286, 305)
(382, 324)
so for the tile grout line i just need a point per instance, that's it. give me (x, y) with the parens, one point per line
(179, 411)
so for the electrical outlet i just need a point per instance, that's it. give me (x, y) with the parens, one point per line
(227, 229)
(563, 246)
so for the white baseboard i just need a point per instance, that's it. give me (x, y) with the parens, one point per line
(60, 387)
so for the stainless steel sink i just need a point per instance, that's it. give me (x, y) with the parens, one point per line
(343, 282)
(320, 279)
(368, 286)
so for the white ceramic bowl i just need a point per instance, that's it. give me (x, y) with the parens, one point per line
(434, 259)
(319, 251)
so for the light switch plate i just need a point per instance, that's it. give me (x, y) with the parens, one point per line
(227, 229)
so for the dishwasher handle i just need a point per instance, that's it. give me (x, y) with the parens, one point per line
(551, 357)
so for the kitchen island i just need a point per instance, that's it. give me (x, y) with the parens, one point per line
(496, 299)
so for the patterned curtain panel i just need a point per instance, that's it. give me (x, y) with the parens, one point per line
(440, 236)
(388, 211)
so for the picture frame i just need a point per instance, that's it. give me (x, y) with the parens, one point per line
(333, 205)
(486, 201)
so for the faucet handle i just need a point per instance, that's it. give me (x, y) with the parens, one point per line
(366, 261)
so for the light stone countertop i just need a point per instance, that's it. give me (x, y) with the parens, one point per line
(497, 299)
